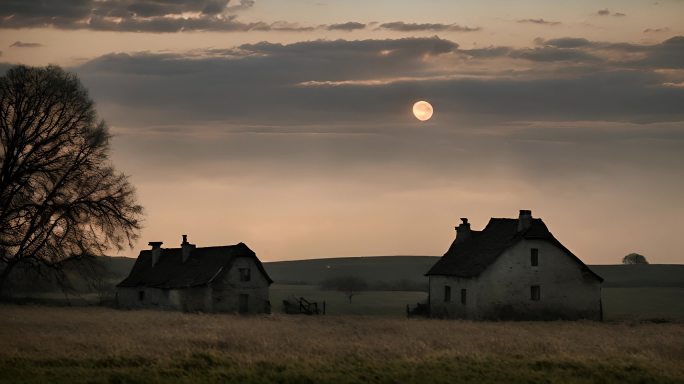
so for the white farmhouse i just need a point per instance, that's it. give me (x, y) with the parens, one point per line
(209, 279)
(512, 269)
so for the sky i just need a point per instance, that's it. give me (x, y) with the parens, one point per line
(287, 125)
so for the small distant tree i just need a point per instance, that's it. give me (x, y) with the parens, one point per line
(349, 285)
(634, 258)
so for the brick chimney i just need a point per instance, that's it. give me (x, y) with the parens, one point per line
(186, 248)
(463, 231)
(156, 251)
(524, 220)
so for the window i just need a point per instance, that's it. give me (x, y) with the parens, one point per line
(464, 296)
(245, 274)
(141, 295)
(534, 257)
(447, 293)
(535, 293)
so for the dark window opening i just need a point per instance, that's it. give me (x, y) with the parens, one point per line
(535, 293)
(464, 296)
(534, 257)
(447, 293)
(245, 274)
(141, 295)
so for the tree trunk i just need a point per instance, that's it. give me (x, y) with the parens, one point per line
(4, 277)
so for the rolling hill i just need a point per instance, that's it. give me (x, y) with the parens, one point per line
(406, 272)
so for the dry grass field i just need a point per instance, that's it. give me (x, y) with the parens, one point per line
(100, 345)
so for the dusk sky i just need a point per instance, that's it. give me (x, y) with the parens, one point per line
(287, 125)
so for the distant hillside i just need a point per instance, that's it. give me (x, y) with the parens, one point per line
(372, 269)
(641, 275)
(384, 273)
(412, 268)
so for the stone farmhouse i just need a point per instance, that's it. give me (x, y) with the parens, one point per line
(512, 269)
(210, 279)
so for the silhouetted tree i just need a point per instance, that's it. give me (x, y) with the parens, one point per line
(349, 285)
(634, 258)
(60, 197)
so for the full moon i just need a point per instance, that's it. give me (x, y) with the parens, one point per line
(422, 110)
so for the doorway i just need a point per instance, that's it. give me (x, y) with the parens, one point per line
(244, 303)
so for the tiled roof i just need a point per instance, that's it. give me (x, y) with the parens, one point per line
(201, 267)
(471, 257)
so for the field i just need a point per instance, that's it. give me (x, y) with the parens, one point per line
(100, 345)
(644, 303)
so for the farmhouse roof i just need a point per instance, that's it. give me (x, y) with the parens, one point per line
(471, 257)
(201, 268)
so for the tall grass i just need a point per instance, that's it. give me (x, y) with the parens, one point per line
(39, 344)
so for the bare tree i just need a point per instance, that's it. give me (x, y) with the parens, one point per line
(349, 285)
(634, 258)
(60, 197)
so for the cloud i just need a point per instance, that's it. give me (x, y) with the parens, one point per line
(135, 16)
(539, 21)
(208, 23)
(668, 54)
(554, 50)
(416, 27)
(312, 82)
(244, 4)
(348, 26)
(656, 30)
(548, 54)
(606, 12)
(20, 44)
(565, 42)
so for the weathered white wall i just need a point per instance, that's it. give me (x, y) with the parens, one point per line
(227, 288)
(503, 290)
(453, 308)
(155, 298)
(221, 296)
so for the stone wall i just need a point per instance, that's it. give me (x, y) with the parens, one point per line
(227, 289)
(222, 295)
(503, 290)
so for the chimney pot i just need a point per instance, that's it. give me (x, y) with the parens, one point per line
(463, 230)
(186, 248)
(524, 220)
(156, 251)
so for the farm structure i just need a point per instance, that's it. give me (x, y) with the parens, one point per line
(208, 279)
(512, 269)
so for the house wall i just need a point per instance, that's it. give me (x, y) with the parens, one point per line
(188, 299)
(504, 289)
(227, 288)
(453, 308)
(223, 295)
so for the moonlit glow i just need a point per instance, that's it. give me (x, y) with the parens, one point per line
(422, 110)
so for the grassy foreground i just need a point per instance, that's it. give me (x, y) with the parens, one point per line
(99, 345)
